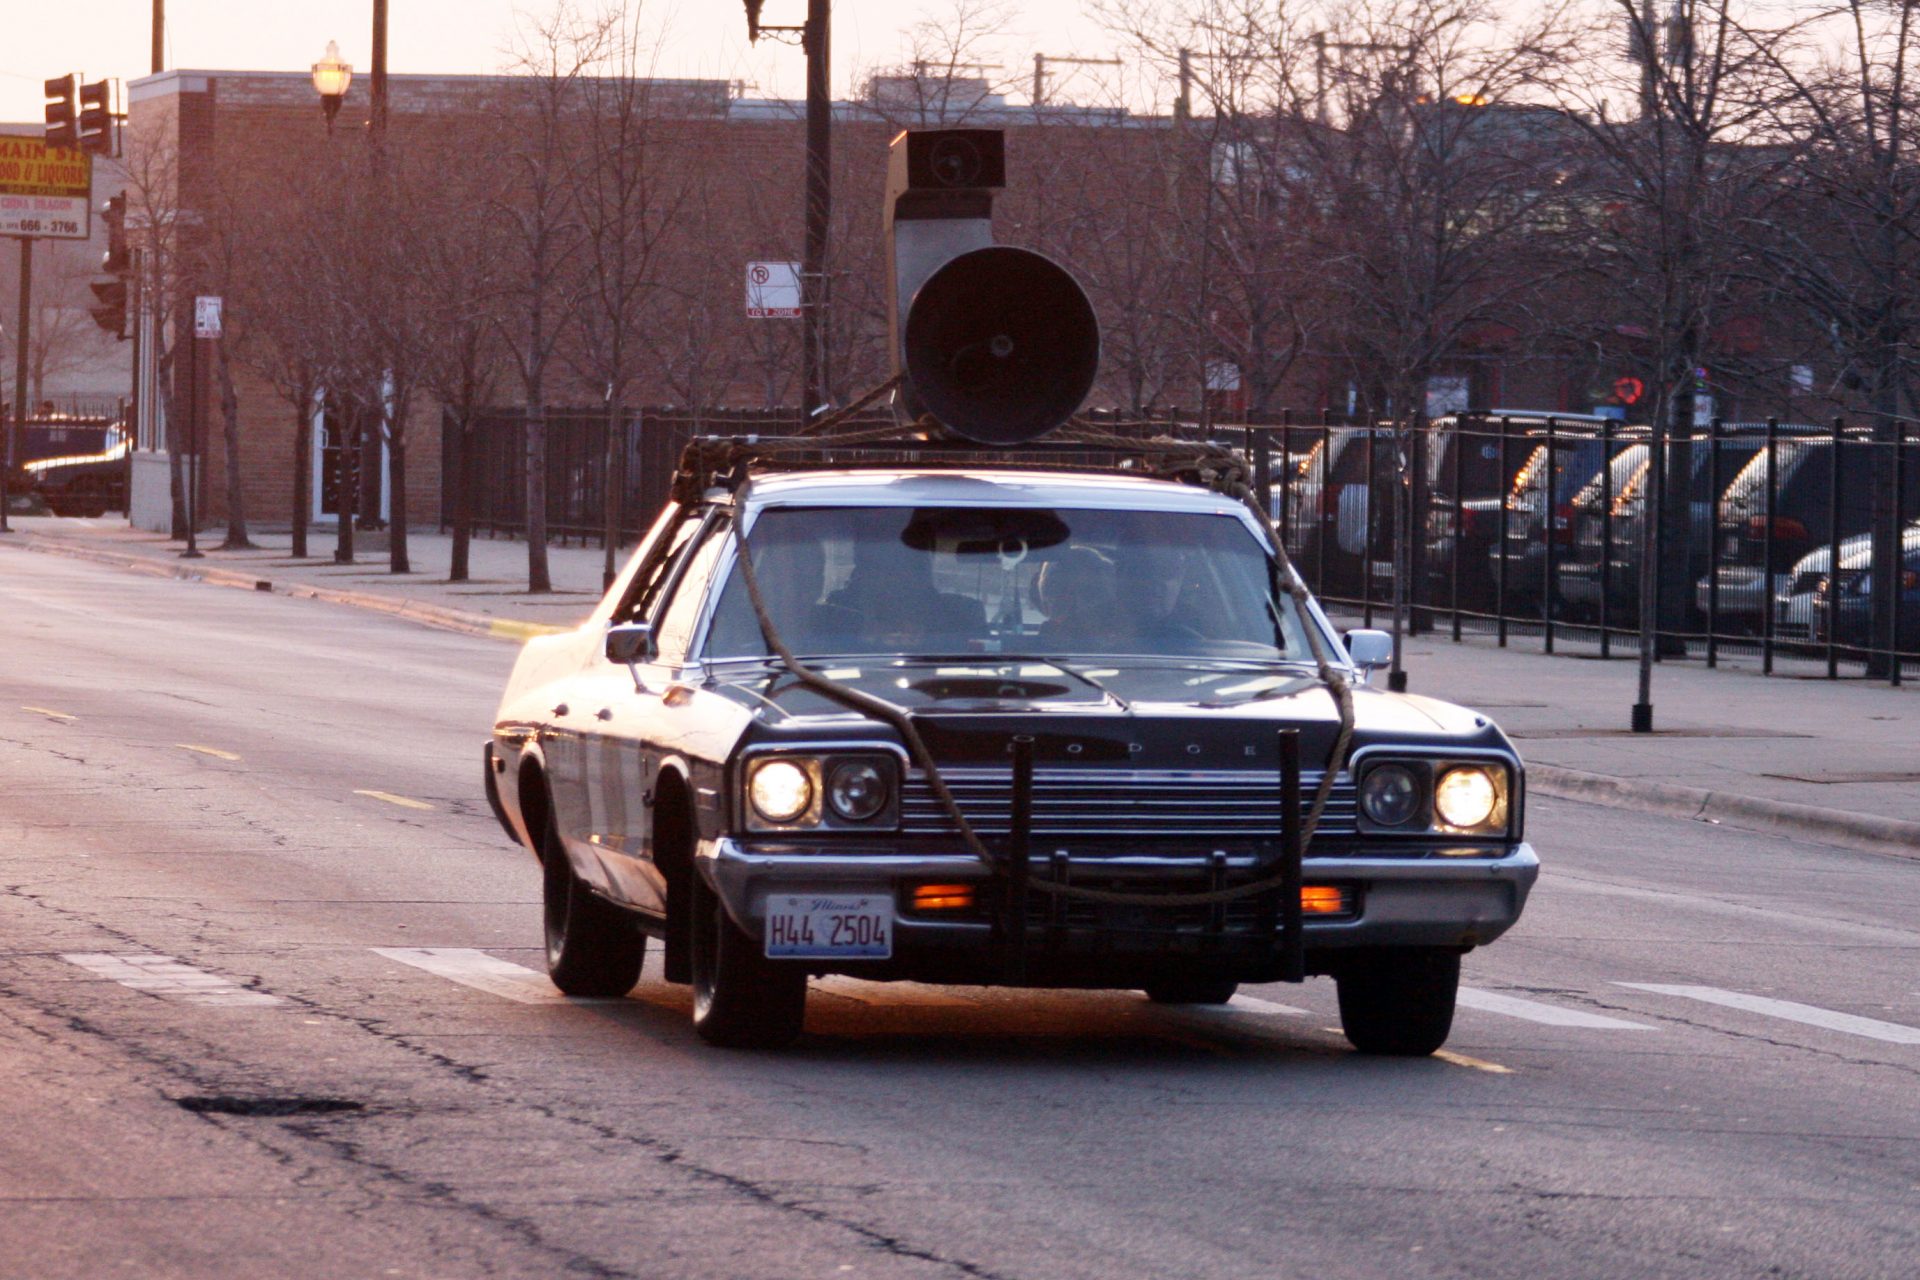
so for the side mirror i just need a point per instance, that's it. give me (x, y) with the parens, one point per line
(1368, 650)
(629, 642)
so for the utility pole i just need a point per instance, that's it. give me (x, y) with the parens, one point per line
(815, 295)
(159, 36)
(19, 372)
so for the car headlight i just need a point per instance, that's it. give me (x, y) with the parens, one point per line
(1467, 797)
(1390, 795)
(780, 791)
(857, 790)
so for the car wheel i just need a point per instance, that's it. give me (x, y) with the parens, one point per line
(1399, 1002)
(1192, 991)
(741, 1000)
(593, 947)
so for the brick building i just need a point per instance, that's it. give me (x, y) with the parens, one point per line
(249, 194)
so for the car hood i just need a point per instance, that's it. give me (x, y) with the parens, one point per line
(1169, 714)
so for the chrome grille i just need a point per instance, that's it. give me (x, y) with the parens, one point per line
(1142, 804)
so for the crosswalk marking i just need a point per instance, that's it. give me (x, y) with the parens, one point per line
(1538, 1011)
(474, 968)
(165, 976)
(1791, 1011)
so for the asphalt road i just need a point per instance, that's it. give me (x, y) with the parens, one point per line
(267, 1007)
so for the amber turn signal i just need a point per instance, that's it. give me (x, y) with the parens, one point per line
(942, 897)
(1323, 900)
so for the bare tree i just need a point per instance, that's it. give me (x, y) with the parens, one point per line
(633, 185)
(1844, 247)
(1677, 172)
(542, 231)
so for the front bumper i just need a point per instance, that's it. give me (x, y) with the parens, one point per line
(1436, 900)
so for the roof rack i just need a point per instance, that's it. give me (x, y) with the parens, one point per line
(728, 462)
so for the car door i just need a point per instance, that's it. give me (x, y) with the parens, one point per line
(581, 759)
(623, 733)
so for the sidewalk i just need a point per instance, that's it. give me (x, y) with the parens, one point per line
(1831, 761)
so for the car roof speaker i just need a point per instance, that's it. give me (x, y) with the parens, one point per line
(1001, 345)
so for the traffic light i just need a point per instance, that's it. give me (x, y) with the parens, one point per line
(96, 117)
(109, 311)
(118, 258)
(63, 111)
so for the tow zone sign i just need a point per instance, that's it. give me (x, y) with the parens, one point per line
(773, 291)
(45, 191)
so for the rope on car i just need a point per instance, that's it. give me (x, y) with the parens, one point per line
(1205, 464)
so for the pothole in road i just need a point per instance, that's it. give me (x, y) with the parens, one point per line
(227, 1104)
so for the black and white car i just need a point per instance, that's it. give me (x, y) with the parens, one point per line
(990, 722)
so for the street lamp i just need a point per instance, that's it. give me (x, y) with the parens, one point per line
(331, 76)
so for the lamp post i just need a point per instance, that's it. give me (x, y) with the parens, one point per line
(331, 76)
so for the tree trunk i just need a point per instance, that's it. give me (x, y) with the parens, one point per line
(612, 489)
(237, 539)
(302, 466)
(461, 479)
(539, 577)
(398, 558)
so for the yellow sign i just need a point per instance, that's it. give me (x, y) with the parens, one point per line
(44, 191)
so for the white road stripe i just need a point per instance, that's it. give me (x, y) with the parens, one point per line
(1551, 1015)
(1791, 1011)
(482, 972)
(164, 976)
(1254, 1004)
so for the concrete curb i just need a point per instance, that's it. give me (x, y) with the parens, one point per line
(1892, 836)
(420, 611)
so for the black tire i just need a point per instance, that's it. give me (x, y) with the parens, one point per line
(1399, 1002)
(593, 947)
(741, 1000)
(1192, 991)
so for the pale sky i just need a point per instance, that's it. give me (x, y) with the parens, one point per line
(705, 38)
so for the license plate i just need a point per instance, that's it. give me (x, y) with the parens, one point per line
(816, 926)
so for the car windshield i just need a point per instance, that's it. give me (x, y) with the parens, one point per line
(1006, 580)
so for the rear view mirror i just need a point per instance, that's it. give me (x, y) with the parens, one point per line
(629, 642)
(1369, 649)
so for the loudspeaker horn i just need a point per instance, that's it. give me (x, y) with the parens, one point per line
(1001, 345)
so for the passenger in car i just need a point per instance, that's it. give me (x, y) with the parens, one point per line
(891, 588)
(1079, 592)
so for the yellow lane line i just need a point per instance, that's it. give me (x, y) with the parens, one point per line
(390, 798)
(50, 714)
(1462, 1060)
(513, 629)
(215, 752)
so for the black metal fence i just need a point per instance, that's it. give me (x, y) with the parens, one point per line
(1539, 526)
(1515, 525)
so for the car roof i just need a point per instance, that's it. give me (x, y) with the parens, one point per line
(914, 487)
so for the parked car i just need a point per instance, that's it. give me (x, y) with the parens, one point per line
(91, 480)
(1338, 529)
(1542, 498)
(1804, 515)
(1800, 610)
(771, 764)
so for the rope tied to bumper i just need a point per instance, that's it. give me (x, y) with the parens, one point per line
(1204, 464)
